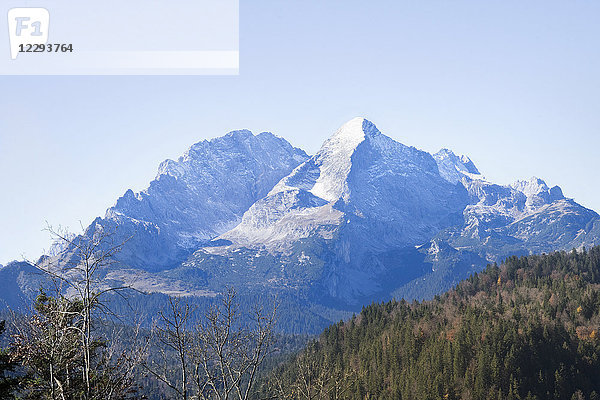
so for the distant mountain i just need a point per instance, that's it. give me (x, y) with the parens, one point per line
(366, 218)
(340, 224)
(201, 195)
(19, 283)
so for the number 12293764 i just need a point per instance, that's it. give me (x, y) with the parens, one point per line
(46, 48)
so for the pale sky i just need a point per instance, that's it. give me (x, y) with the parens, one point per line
(514, 85)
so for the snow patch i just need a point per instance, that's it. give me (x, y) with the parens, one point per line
(334, 160)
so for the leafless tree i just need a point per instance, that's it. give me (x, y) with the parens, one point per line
(172, 332)
(229, 351)
(312, 381)
(48, 343)
(79, 266)
(217, 357)
(126, 351)
(71, 311)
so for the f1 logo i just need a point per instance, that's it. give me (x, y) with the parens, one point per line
(27, 26)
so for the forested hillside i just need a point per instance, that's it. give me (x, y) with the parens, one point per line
(528, 329)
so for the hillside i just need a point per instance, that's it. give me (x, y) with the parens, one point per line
(528, 329)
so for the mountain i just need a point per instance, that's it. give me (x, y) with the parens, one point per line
(201, 195)
(364, 219)
(339, 224)
(19, 283)
(528, 329)
(358, 176)
(526, 217)
(368, 218)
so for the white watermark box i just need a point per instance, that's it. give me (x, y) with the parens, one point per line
(117, 37)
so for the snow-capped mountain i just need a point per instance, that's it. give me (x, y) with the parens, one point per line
(367, 217)
(522, 218)
(454, 168)
(201, 195)
(358, 175)
(364, 219)
(332, 222)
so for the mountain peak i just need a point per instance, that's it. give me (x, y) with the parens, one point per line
(537, 191)
(453, 168)
(532, 186)
(350, 132)
(241, 133)
(334, 157)
(356, 130)
(200, 195)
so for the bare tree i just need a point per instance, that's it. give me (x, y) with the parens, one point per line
(311, 381)
(216, 358)
(78, 268)
(173, 336)
(62, 329)
(229, 351)
(127, 350)
(48, 345)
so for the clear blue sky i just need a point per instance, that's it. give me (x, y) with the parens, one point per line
(515, 85)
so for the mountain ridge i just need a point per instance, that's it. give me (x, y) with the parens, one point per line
(366, 218)
(199, 196)
(313, 238)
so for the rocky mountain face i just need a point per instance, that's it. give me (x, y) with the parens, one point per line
(334, 224)
(194, 199)
(368, 218)
(358, 177)
(525, 217)
(364, 219)
(19, 282)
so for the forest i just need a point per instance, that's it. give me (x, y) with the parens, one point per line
(528, 329)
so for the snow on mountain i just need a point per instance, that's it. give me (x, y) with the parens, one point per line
(358, 175)
(454, 168)
(197, 197)
(537, 192)
(334, 160)
(363, 216)
(495, 205)
(523, 218)
(364, 219)
(519, 214)
(334, 220)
